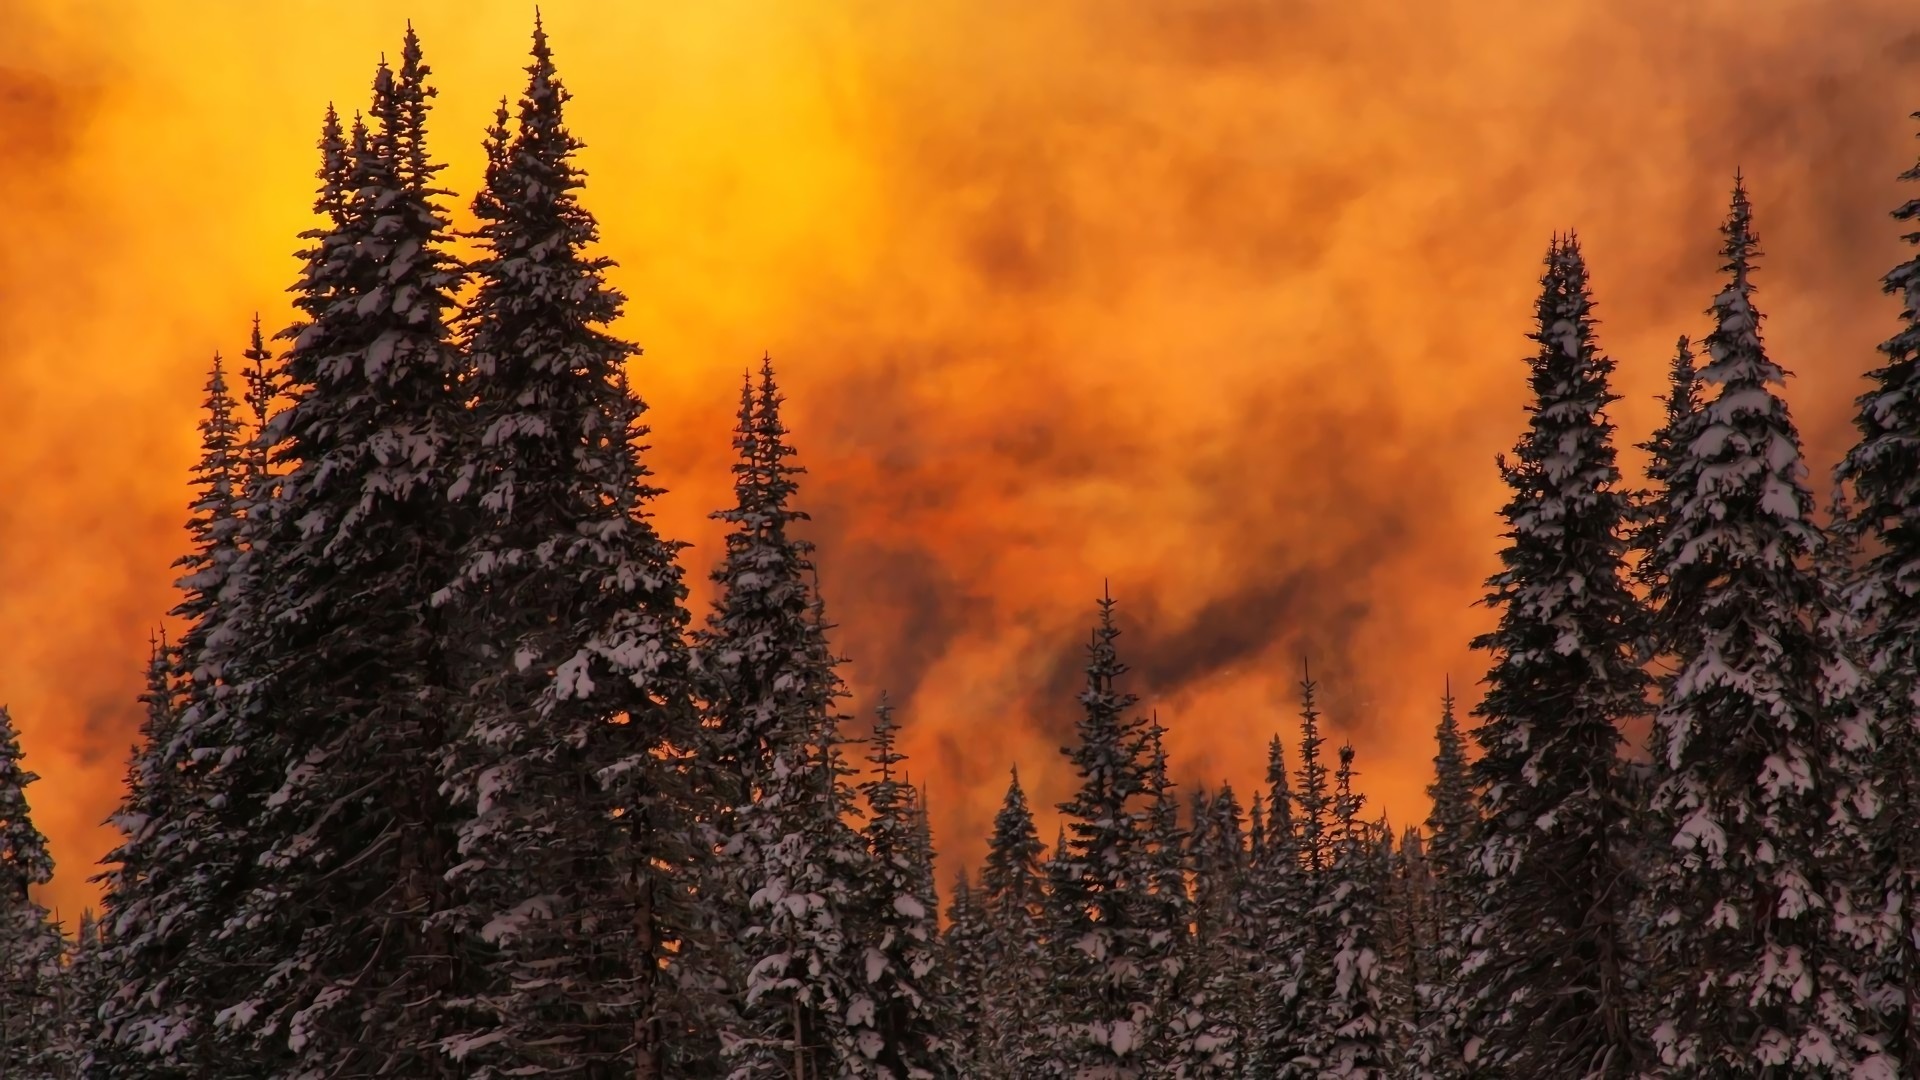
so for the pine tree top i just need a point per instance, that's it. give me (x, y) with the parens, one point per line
(1744, 462)
(24, 860)
(1312, 800)
(1451, 791)
(213, 518)
(1012, 874)
(1883, 467)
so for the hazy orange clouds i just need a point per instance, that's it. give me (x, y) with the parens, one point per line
(1221, 300)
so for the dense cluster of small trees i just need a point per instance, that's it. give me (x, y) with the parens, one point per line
(442, 780)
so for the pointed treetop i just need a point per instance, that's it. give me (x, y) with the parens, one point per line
(23, 850)
(1741, 246)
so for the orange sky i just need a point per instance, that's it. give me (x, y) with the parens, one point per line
(1219, 299)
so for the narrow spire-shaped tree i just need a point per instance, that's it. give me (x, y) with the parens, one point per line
(1013, 903)
(1350, 1040)
(772, 745)
(1313, 799)
(1883, 468)
(227, 750)
(1550, 965)
(159, 1020)
(30, 946)
(965, 949)
(1758, 980)
(896, 1006)
(570, 610)
(1441, 1038)
(348, 684)
(263, 389)
(1668, 467)
(1208, 1027)
(1166, 910)
(1101, 949)
(1280, 935)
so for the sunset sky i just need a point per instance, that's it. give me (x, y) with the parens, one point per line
(1219, 300)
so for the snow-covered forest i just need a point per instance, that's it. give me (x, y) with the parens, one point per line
(442, 778)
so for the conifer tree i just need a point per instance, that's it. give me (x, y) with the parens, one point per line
(1441, 1037)
(30, 946)
(1014, 904)
(1758, 980)
(1166, 910)
(773, 751)
(1883, 468)
(1350, 1039)
(1313, 801)
(157, 1022)
(348, 683)
(263, 387)
(1549, 964)
(965, 951)
(1280, 933)
(1208, 1028)
(579, 847)
(1413, 928)
(898, 997)
(1101, 947)
(1667, 453)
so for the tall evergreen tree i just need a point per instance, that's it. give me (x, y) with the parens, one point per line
(772, 746)
(1313, 800)
(1014, 904)
(1413, 926)
(964, 968)
(579, 851)
(1166, 909)
(157, 1022)
(1101, 949)
(1350, 1040)
(349, 682)
(1208, 1029)
(1550, 964)
(1280, 933)
(30, 946)
(899, 997)
(1758, 979)
(1441, 1038)
(1883, 468)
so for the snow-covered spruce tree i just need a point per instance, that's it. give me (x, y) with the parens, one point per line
(1279, 931)
(1441, 1037)
(1313, 801)
(263, 388)
(925, 884)
(349, 685)
(578, 854)
(1206, 1030)
(227, 759)
(1883, 468)
(1348, 1037)
(88, 982)
(158, 1021)
(964, 951)
(1015, 1011)
(895, 931)
(1667, 455)
(30, 946)
(1549, 966)
(1101, 946)
(1411, 921)
(1166, 909)
(1759, 983)
(773, 748)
